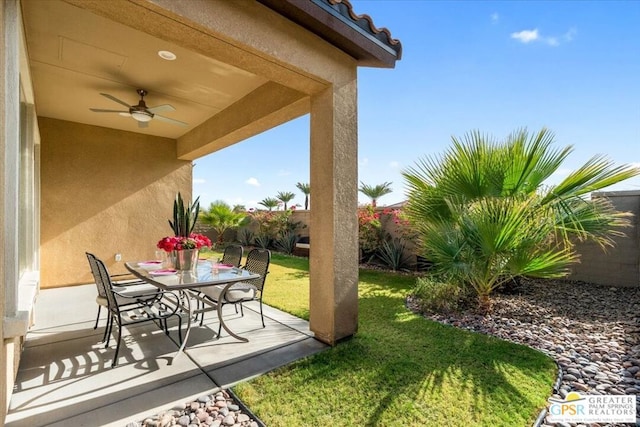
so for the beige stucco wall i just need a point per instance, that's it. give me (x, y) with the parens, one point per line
(103, 191)
(619, 265)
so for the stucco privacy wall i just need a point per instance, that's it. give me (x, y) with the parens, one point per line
(103, 191)
(620, 265)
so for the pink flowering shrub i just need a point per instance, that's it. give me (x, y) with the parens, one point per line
(375, 227)
(369, 230)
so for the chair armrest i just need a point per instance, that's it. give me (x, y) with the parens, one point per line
(125, 279)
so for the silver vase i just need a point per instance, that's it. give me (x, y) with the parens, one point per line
(185, 260)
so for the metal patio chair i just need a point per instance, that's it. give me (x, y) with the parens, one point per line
(232, 255)
(258, 261)
(129, 287)
(128, 307)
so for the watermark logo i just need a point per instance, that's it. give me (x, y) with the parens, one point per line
(592, 409)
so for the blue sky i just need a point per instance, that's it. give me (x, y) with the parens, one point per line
(573, 67)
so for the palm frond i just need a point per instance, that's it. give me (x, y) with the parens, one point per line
(482, 213)
(597, 173)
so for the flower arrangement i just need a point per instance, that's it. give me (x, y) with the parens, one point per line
(178, 243)
(184, 221)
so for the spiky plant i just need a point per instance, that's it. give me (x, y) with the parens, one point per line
(484, 216)
(184, 216)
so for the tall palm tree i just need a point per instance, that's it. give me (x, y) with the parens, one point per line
(285, 197)
(306, 190)
(375, 192)
(221, 218)
(269, 203)
(484, 215)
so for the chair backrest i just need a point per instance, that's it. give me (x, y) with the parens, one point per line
(96, 274)
(258, 262)
(103, 281)
(232, 255)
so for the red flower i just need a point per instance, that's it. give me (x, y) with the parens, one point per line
(175, 243)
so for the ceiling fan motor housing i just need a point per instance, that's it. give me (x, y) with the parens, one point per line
(139, 112)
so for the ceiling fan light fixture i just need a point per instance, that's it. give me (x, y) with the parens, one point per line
(142, 116)
(167, 55)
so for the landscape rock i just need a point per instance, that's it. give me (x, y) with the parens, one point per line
(592, 331)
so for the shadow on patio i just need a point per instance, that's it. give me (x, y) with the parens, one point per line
(65, 376)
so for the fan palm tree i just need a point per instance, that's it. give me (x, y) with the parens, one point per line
(269, 203)
(221, 218)
(484, 216)
(306, 190)
(375, 192)
(285, 197)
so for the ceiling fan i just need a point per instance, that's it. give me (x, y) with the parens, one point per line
(141, 113)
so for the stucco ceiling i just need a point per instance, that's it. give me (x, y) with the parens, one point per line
(75, 55)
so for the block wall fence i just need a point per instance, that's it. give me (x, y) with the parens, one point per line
(613, 266)
(620, 265)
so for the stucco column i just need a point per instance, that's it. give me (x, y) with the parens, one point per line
(334, 227)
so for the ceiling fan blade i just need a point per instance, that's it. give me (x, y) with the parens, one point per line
(161, 109)
(101, 110)
(113, 98)
(143, 124)
(168, 120)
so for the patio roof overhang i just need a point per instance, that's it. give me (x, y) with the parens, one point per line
(224, 90)
(336, 22)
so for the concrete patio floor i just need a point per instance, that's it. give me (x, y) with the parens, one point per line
(65, 376)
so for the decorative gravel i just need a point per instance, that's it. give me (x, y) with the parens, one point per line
(592, 331)
(215, 410)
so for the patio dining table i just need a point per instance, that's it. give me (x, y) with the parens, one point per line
(189, 283)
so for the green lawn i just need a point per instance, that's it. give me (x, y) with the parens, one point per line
(399, 370)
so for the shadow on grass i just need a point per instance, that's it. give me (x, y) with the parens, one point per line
(437, 368)
(402, 369)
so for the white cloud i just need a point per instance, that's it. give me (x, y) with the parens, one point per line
(363, 162)
(495, 18)
(199, 180)
(253, 181)
(283, 172)
(394, 164)
(526, 36)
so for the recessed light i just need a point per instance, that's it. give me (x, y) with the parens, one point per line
(165, 54)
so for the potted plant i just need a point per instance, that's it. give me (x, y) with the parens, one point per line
(184, 245)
